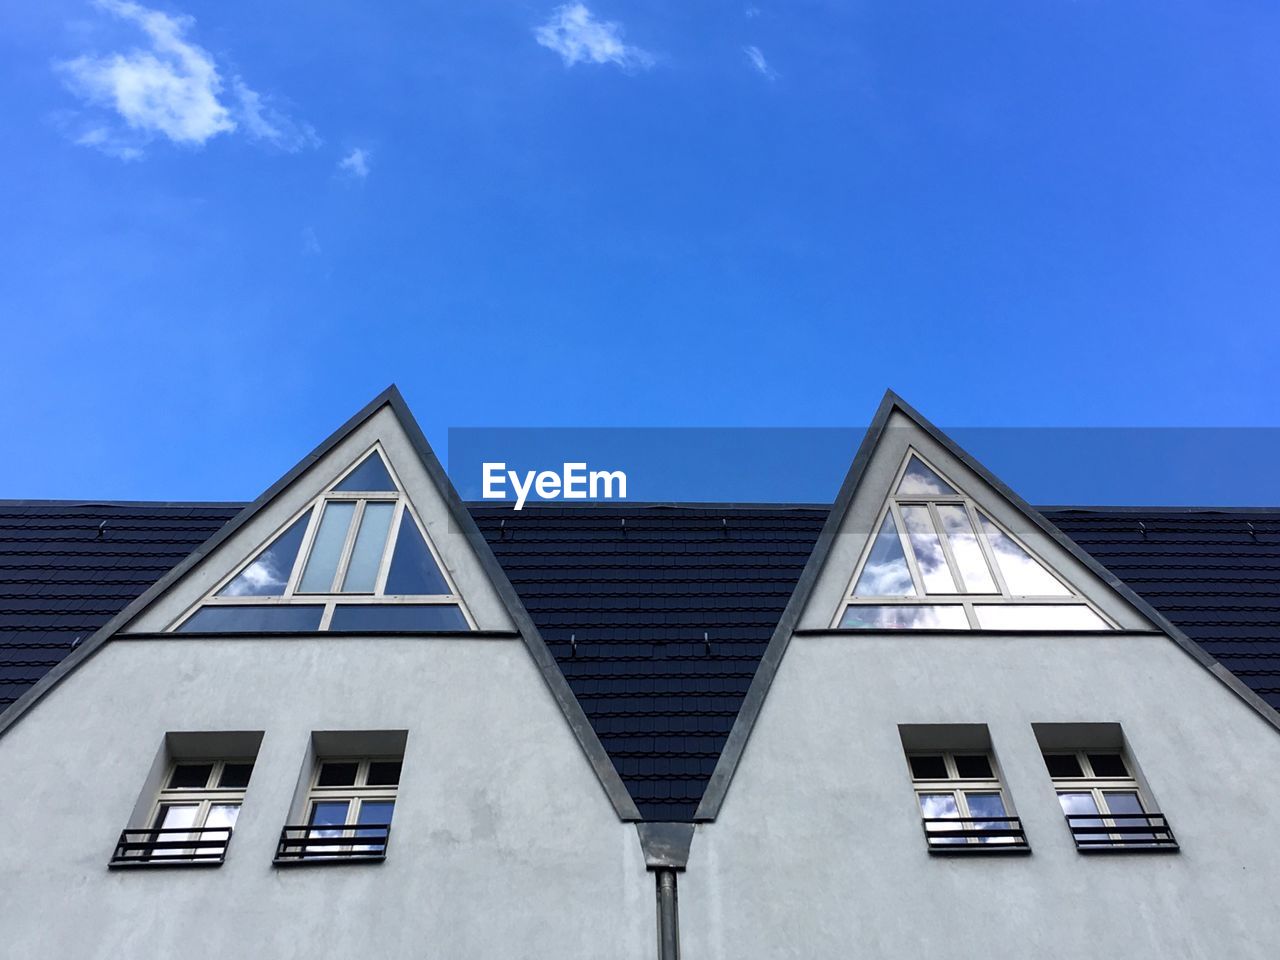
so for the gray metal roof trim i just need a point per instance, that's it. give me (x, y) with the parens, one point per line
(749, 712)
(608, 776)
(597, 756)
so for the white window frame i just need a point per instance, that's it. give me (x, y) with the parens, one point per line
(314, 511)
(355, 796)
(1095, 785)
(203, 798)
(959, 788)
(965, 600)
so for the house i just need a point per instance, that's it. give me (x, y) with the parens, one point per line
(359, 717)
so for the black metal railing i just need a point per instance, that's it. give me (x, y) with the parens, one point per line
(307, 844)
(171, 846)
(965, 835)
(1118, 832)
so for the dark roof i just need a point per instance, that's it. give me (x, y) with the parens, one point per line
(658, 622)
(671, 609)
(67, 568)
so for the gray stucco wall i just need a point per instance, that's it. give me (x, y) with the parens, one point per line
(818, 849)
(503, 845)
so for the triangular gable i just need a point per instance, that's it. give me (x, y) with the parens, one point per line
(847, 537)
(460, 551)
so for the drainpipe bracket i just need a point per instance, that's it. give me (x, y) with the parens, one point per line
(665, 845)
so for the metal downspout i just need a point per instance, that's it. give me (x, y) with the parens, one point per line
(666, 852)
(668, 916)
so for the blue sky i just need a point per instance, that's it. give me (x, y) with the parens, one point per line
(227, 225)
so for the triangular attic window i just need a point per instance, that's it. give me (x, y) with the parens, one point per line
(354, 559)
(937, 560)
(371, 476)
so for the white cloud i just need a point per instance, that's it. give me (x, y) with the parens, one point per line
(355, 163)
(263, 122)
(578, 37)
(760, 63)
(170, 88)
(752, 11)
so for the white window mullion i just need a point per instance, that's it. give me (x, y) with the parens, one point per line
(956, 574)
(348, 546)
(916, 579)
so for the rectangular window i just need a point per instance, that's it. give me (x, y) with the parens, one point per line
(1104, 803)
(963, 805)
(193, 815)
(347, 811)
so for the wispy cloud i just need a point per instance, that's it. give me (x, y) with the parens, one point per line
(355, 163)
(170, 88)
(261, 121)
(758, 61)
(579, 37)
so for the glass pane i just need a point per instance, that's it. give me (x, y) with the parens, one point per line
(1077, 803)
(338, 774)
(384, 773)
(269, 572)
(974, 767)
(928, 549)
(988, 805)
(1107, 765)
(1024, 575)
(222, 817)
(931, 767)
(175, 816)
(362, 571)
(1083, 805)
(374, 812)
(920, 481)
(413, 570)
(1125, 802)
(191, 775)
(1122, 801)
(966, 549)
(397, 616)
(370, 476)
(940, 805)
(327, 549)
(906, 616)
(885, 573)
(1045, 616)
(1063, 765)
(328, 813)
(235, 775)
(267, 618)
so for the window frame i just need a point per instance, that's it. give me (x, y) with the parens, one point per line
(335, 596)
(356, 795)
(1097, 786)
(204, 798)
(965, 600)
(959, 788)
